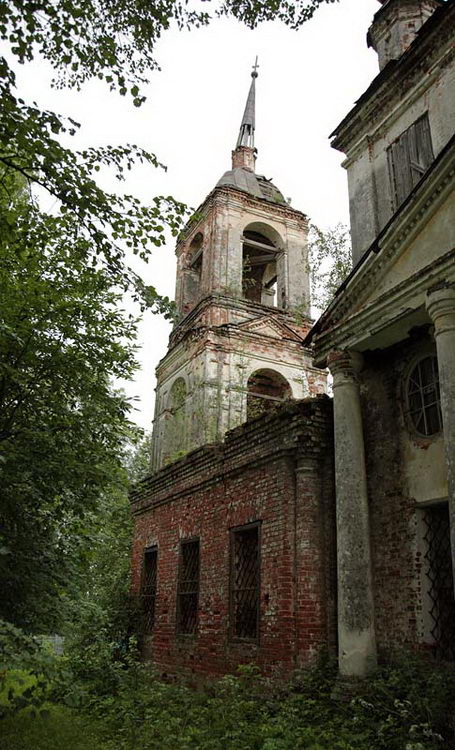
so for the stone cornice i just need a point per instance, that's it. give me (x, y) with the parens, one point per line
(290, 431)
(436, 185)
(401, 231)
(252, 309)
(394, 304)
(232, 334)
(229, 194)
(393, 83)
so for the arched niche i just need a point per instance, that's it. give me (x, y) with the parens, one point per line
(175, 437)
(193, 272)
(261, 247)
(195, 253)
(267, 390)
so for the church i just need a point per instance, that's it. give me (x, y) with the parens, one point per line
(280, 523)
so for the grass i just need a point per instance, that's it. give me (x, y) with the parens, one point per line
(58, 728)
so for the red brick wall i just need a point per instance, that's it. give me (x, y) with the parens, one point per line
(394, 516)
(277, 470)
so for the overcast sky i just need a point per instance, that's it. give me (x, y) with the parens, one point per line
(308, 80)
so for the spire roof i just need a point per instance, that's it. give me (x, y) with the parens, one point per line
(246, 133)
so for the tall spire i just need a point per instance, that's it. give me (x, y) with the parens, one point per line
(244, 154)
(246, 134)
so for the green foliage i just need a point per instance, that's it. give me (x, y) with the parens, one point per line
(404, 706)
(63, 428)
(27, 665)
(55, 728)
(329, 262)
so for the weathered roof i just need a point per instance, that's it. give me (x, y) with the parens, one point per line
(251, 183)
(246, 134)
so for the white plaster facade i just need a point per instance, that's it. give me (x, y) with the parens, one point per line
(424, 82)
(396, 308)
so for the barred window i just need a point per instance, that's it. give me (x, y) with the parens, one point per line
(423, 397)
(148, 589)
(245, 582)
(438, 569)
(409, 157)
(188, 587)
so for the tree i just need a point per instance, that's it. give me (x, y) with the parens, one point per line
(329, 262)
(115, 42)
(63, 336)
(63, 428)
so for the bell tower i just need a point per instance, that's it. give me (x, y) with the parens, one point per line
(242, 294)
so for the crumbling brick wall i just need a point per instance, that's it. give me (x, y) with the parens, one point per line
(403, 474)
(277, 469)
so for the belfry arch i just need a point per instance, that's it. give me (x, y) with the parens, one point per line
(261, 267)
(266, 391)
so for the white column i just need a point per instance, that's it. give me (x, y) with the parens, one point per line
(441, 308)
(356, 632)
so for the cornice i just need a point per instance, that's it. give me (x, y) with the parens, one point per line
(401, 231)
(397, 78)
(394, 304)
(290, 431)
(244, 198)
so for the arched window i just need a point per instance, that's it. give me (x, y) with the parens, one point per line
(423, 397)
(259, 276)
(267, 390)
(176, 424)
(195, 254)
(192, 273)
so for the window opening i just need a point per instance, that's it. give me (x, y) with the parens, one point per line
(267, 390)
(438, 561)
(259, 276)
(245, 582)
(423, 397)
(195, 254)
(409, 157)
(188, 587)
(148, 589)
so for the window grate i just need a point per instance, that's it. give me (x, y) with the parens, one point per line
(148, 589)
(439, 572)
(188, 587)
(245, 583)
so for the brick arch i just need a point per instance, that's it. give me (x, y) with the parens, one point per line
(267, 390)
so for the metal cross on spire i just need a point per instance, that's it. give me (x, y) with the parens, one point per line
(246, 134)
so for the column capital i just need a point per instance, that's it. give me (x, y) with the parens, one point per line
(440, 304)
(344, 365)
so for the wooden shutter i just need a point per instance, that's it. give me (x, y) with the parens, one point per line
(408, 158)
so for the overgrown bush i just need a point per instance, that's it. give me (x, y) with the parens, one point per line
(114, 696)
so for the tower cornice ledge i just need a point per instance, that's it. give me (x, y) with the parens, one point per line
(230, 195)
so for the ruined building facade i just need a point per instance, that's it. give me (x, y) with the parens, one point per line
(315, 523)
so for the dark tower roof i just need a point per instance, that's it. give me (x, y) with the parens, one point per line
(242, 175)
(246, 133)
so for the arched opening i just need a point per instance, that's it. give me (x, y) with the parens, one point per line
(193, 272)
(195, 254)
(259, 269)
(176, 421)
(266, 391)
